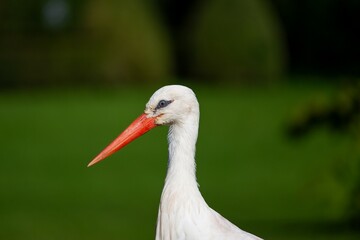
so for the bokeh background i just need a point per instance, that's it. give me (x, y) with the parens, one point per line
(278, 86)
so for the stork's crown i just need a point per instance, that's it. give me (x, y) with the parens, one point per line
(172, 104)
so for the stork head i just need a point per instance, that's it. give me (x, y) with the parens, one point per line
(169, 105)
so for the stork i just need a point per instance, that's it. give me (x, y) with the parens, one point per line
(183, 213)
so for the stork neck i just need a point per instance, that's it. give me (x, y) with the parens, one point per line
(182, 140)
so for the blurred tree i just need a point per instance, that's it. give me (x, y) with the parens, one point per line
(237, 41)
(133, 43)
(81, 41)
(341, 115)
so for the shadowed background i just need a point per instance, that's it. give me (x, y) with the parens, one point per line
(278, 86)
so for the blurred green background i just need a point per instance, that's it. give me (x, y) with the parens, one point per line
(278, 152)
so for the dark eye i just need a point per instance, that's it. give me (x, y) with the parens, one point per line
(163, 103)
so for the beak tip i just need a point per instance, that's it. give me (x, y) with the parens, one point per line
(95, 160)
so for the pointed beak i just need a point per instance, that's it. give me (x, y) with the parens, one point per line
(140, 126)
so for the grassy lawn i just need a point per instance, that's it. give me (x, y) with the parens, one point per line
(248, 169)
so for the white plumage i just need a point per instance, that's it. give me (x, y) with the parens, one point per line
(183, 212)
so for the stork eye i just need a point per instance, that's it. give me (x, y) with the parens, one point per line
(163, 103)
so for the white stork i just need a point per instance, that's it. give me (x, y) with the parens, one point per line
(183, 212)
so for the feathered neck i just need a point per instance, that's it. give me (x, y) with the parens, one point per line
(182, 139)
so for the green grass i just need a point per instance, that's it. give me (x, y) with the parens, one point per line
(247, 169)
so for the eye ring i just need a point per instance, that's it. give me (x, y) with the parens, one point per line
(163, 103)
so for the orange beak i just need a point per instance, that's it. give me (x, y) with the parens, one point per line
(140, 126)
